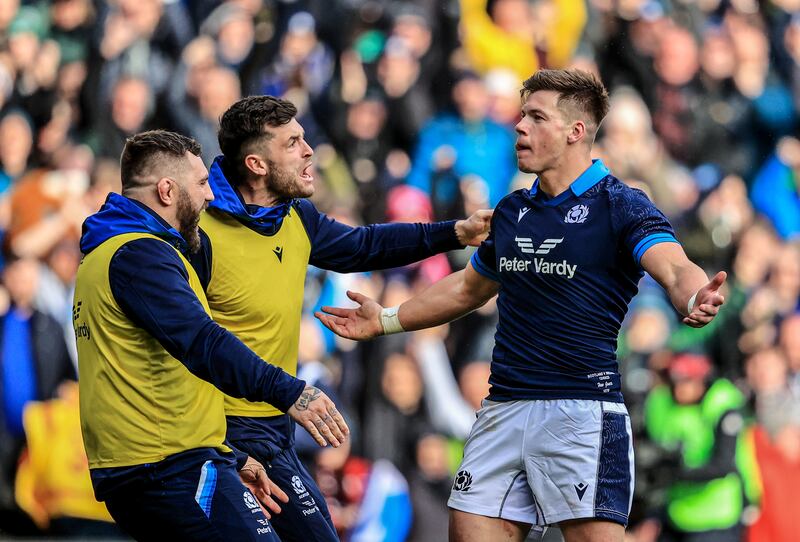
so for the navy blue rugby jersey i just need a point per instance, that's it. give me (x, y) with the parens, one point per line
(567, 266)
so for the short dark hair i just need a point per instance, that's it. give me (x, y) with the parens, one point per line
(577, 88)
(146, 151)
(244, 123)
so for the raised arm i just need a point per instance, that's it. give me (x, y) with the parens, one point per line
(444, 301)
(345, 249)
(688, 287)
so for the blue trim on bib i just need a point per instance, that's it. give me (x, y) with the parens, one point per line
(206, 487)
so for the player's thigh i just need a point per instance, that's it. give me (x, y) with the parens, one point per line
(592, 530)
(234, 511)
(206, 503)
(579, 460)
(305, 518)
(466, 527)
(491, 479)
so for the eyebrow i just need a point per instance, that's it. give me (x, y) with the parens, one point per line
(533, 111)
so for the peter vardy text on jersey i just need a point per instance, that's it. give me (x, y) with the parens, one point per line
(540, 265)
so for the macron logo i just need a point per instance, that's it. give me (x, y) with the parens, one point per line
(522, 213)
(526, 245)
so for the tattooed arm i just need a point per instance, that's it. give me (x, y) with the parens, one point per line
(318, 415)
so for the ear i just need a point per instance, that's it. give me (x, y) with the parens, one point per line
(166, 190)
(256, 164)
(577, 132)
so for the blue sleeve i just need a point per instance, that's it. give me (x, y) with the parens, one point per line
(484, 260)
(345, 249)
(162, 303)
(639, 223)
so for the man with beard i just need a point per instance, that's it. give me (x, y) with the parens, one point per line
(259, 236)
(151, 360)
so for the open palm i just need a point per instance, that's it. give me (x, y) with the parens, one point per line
(707, 303)
(360, 323)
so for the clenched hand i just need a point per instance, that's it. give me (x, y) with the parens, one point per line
(473, 230)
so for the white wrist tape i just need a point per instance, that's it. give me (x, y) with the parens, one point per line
(390, 321)
(691, 303)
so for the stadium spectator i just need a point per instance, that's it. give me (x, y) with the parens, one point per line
(214, 92)
(699, 418)
(34, 361)
(429, 484)
(16, 144)
(132, 106)
(365, 498)
(53, 484)
(468, 141)
(776, 192)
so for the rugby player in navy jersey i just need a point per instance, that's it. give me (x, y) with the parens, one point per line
(258, 237)
(552, 443)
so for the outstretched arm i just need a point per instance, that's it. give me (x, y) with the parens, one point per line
(688, 287)
(448, 299)
(338, 247)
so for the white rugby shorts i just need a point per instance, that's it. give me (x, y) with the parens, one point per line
(546, 461)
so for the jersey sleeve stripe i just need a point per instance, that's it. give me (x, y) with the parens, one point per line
(482, 268)
(653, 239)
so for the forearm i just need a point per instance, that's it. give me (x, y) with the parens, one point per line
(444, 301)
(689, 278)
(383, 246)
(162, 303)
(680, 278)
(220, 358)
(339, 247)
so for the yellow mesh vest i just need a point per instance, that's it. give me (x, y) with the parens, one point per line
(138, 404)
(256, 292)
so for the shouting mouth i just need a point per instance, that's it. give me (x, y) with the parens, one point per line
(308, 173)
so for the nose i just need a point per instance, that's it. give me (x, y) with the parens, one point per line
(307, 150)
(209, 195)
(520, 127)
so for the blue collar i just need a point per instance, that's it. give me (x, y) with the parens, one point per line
(119, 215)
(593, 175)
(265, 220)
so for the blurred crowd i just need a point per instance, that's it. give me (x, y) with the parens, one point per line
(410, 108)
